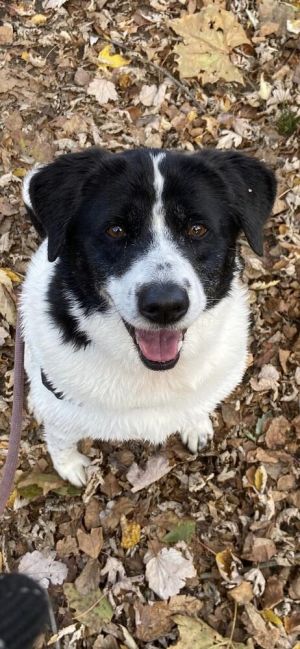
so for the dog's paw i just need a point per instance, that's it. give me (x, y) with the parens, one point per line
(71, 466)
(197, 437)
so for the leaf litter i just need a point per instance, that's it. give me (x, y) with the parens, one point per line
(119, 75)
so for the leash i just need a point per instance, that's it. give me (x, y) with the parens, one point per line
(11, 463)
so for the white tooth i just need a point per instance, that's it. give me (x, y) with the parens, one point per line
(180, 345)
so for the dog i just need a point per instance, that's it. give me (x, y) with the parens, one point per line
(134, 317)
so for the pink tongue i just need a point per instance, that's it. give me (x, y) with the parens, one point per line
(160, 345)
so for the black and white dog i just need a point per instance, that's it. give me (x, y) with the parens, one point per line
(138, 272)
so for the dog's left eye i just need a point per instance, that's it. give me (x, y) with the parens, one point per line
(196, 231)
(116, 232)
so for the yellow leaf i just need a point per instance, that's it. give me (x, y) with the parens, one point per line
(270, 616)
(260, 478)
(15, 277)
(38, 19)
(20, 172)
(25, 56)
(209, 38)
(11, 501)
(192, 115)
(131, 533)
(106, 59)
(228, 565)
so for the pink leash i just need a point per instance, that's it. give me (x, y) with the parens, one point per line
(16, 420)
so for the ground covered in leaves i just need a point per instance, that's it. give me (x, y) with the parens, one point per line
(165, 549)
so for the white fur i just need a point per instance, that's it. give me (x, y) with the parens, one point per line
(109, 393)
(26, 185)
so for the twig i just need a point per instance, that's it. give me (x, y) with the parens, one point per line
(159, 69)
(233, 624)
(264, 564)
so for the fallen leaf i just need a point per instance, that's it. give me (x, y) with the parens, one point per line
(6, 34)
(270, 616)
(273, 594)
(228, 566)
(265, 88)
(131, 533)
(167, 572)
(276, 433)
(91, 543)
(152, 95)
(42, 567)
(260, 479)
(107, 59)
(38, 19)
(264, 634)
(38, 484)
(155, 620)
(267, 380)
(103, 90)
(284, 355)
(209, 38)
(293, 26)
(182, 532)
(6, 82)
(66, 546)
(196, 634)
(7, 300)
(111, 486)
(92, 610)
(292, 623)
(89, 578)
(262, 549)
(243, 593)
(53, 4)
(156, 467)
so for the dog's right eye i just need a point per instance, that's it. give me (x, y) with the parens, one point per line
(116, 232)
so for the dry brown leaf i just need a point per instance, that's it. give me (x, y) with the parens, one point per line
(155, 620)
(6, 34)
(7, 301)
(89, 578)
(267, 380)
(156, 467)
(92, 543)
(209, 38)
(103, 90)
(262, 549)
(273, 594)
(276, 433)
(265, 635)
(243, 593)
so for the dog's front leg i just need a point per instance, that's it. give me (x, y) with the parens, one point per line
(68, 462)
(197, 432)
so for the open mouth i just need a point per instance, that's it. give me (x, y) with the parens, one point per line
(159, 349)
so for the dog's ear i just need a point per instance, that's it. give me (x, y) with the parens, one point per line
(252, 191)
(53, 193)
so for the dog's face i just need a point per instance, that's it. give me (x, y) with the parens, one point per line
(150, 234)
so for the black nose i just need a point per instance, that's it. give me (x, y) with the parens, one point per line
(163, 303)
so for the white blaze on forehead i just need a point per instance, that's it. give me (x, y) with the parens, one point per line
(158, 210)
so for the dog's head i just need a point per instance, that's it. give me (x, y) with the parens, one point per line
(151, 234)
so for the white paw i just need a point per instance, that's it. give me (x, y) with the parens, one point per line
(196, 438)
(71, 465)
